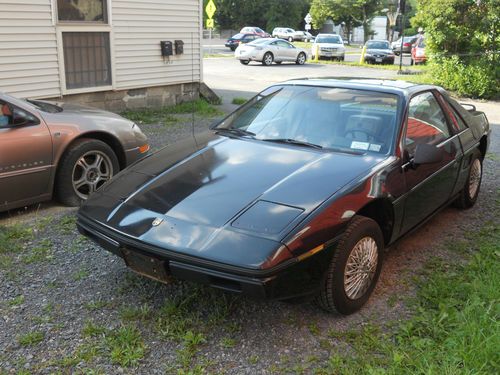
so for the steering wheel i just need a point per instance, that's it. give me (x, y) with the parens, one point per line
(370, 136)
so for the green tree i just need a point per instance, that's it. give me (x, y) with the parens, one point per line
(286, 13)
(352, 12)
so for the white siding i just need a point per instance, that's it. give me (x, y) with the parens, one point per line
(28, 49)
(138, 28)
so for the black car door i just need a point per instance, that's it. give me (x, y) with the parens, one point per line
(429, 186)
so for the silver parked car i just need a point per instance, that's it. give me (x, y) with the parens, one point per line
(269, 50)
(329, 46)
(62, 150)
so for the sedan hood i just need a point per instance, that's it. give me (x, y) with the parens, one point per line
(199, 198)
(72, 113)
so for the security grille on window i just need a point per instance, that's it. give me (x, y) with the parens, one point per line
(82, 11)
(87, 59)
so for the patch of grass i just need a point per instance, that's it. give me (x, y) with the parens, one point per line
(67, 224)
(31, 338)
(126, 346)
(13, 237)
(239, 101)
(143, 313)
(217, 55)
(19, 300)
(455, 325)
(228, 342)
(165, 116)
(253, 359)
(41, 252)
(79, 275)
(313, 328)
(97, 305)
(92, 330)
(418, 68)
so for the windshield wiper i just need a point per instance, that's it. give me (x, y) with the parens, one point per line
(292, 141)
(235, 131)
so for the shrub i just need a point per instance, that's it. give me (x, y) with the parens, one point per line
(479, 78)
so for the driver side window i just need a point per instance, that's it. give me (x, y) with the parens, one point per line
(6, 117)
(426, 122)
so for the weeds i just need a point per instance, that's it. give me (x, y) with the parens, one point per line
(31, 338)
(239, 101)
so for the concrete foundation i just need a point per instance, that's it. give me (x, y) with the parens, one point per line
(147, 97)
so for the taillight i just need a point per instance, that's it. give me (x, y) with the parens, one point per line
(406, 44)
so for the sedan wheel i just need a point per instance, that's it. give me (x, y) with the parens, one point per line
(290, 39)
(244, 62)
(354, 269)
(268, 59)
(470, 192)
(301, 59)
(83, 169)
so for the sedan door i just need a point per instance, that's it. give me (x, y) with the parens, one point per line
(25, 156)
(429, 186)
(287, 51)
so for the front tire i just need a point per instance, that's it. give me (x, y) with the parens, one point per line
(301, 59)
(470, 192)
(85, 166)
(268, 59)
(354, 268)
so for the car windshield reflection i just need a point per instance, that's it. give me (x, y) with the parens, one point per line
(336, 119)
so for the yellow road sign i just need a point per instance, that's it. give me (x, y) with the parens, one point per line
(210, 9)
(210, 23)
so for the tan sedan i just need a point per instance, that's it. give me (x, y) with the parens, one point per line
(62, 150)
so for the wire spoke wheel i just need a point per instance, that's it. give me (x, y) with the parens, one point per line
(360, 268)
(90, 172)
(475, 178)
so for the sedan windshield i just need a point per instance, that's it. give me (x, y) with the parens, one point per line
(377, 45)
(338, 119)
(328, 39)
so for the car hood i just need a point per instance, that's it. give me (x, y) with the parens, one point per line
(95, 117)
(215, 202)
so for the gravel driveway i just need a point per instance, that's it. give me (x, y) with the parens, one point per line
(67, 306)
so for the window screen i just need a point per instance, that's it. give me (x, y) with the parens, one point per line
(87, 59)
(82, 10)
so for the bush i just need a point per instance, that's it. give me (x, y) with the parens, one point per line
(479, 78)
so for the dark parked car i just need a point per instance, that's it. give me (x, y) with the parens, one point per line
(297, 192)
(407, 43)
(238, 39)
(379, 52)
(62, 150)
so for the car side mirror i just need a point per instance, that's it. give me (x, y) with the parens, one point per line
(427, 154)
(23, 118)
(469, 107)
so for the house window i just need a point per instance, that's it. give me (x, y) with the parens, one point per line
(82, 11)
(87, 60)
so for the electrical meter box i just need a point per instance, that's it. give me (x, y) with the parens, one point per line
(166, 48)
(179, 47)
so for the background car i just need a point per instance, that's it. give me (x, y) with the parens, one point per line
(61, 150)
(255, 30)
(329, 46)
(240, 38)
(296, 193)
(378, 52)
(407, 43)
(418, 52)
(269, 50)
(284, 33)
(303, 36)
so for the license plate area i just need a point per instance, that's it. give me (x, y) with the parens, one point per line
(146, 265)
(378, 59)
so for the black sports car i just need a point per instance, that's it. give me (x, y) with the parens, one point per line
(379, 52)
(240, 38)
(297, 192)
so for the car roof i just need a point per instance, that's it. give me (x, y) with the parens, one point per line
(374, 84)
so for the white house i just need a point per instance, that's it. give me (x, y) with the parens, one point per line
(105, 53)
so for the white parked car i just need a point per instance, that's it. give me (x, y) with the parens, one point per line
(328, 46)
(269, 50)
(284, 33)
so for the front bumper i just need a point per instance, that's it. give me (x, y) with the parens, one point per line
(323, 53)
(136, 153)
(289, 279)
(380, 60)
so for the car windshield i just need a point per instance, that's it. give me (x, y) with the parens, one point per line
(422, 43)
(338, 119)
(328, 39)
(377, 45)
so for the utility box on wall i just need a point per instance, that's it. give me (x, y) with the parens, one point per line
(179, 47)
(166, 48)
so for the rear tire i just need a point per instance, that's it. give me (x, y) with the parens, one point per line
(470, 192)
(354, 268)
(245, 62)
(268, 59)
(301, 59)
(290, 39)
(77, 166)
